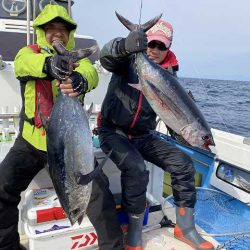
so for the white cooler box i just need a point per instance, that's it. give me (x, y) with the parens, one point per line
(47, 227)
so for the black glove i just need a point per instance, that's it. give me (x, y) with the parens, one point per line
(58, 66)
(79, 83)
(136, 41)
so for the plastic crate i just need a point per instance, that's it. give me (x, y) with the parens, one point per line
(42, 206)
(47, 227)
(69, 238)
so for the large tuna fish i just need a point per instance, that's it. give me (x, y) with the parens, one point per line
(70, 151)
(168, 98)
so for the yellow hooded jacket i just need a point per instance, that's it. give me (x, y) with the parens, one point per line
(29, 68)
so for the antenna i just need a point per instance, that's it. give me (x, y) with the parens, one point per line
(34, 16)
(28, 22)
(69, 8)
(140, 14)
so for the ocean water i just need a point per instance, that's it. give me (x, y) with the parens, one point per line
(224, 103)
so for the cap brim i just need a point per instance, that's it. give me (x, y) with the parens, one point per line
(161, 39)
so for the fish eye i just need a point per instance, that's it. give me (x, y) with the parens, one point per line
(76, 211)
(205, 137)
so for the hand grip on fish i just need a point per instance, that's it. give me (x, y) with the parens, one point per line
(79, 84)
(136, 41)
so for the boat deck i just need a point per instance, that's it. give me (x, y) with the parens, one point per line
(158, 239)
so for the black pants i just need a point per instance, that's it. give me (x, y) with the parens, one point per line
(129, 156)
(18, 169)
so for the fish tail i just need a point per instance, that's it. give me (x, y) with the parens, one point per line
(131, 26)
(75, 55)
(90, 110)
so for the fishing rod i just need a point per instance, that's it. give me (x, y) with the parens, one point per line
(140, 14)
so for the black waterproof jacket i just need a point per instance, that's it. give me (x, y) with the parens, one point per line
(124, 107)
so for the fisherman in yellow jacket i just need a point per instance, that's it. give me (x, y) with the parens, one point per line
(39, 69)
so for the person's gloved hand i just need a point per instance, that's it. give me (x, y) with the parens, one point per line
(79, 84)
(58, 66)
(135, 42)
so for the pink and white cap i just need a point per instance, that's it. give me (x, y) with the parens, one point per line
(162, 31)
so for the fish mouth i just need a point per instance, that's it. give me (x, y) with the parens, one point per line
(208, 141)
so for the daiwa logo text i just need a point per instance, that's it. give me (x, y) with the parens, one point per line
(83, 240)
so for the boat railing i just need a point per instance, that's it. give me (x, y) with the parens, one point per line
(246, 140)
(9, 126)
(2, 63)
(9, 122)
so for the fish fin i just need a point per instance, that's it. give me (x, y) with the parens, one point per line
(90, 110)
(76, 215)
(75, 55)
(85, 179)
(79, 220)
(190, 94)
(170, 69)
(131, 26)
(82, 53)
(149, 24)
(136, 86)
(72, 222)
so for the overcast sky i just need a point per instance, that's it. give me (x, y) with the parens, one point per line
(211, 37)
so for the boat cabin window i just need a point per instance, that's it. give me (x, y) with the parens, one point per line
(17, 9)
(233, 175)
(11, 42)
(13, 35)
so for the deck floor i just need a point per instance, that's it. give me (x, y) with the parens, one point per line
(163, 239)
(159, 239)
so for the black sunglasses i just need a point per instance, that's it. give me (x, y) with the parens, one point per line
(155, 44)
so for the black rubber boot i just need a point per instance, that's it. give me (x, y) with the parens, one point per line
(185, 230)
(134, 236)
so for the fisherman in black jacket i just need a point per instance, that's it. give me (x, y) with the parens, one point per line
(127, 127)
